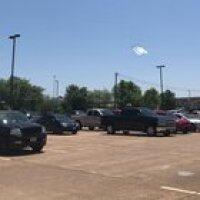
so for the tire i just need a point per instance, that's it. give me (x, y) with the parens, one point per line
(74, 132)
(57, 132)
(167, 134)
(150, 130)
(37, 148)
(91, 128)
(125, 132)
(185, 131)
(110, 129)
(79, 125)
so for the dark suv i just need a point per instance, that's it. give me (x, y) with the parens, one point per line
(57, 123)
(16, 131)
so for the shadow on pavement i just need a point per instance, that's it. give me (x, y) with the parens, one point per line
(18, 153)
(138, 134)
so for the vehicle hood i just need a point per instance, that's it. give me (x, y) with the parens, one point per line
(22, 125)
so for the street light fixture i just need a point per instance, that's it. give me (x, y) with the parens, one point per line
(13, 38)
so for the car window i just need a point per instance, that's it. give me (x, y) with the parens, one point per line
(62, 118)
(106, 112)
(96, 113)
(90, 113)
(132, 112)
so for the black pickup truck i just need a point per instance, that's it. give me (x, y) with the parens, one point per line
(139, 119)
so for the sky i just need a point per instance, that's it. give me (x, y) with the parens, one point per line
(85, 42)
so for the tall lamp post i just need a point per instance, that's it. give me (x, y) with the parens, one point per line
(13, 38)
(161, 77)
(116, 90)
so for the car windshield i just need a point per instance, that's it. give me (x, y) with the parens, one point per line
(106, 112)
(148, 112)
(10, 118)
(62, 118)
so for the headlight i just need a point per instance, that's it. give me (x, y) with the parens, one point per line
(64, 124)
(16, 132)
(43, 129)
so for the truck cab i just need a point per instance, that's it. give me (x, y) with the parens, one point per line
(92, 118)
(139, 119)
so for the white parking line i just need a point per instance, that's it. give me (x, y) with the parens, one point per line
(5, 159)
(180, 190)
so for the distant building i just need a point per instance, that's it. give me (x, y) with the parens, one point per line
(188, 102)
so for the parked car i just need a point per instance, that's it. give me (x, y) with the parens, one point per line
(16, 131)
(92, 119)
(194, 120)
(57, 123)
(183, 124)
(139, 119)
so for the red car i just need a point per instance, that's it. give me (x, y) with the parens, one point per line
(182, 123)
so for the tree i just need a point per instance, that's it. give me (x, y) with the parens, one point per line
(26, 96)
(99, 98)
(76, 98)
(151, 98)
(168, 100)
(128, 93)
(51, 105)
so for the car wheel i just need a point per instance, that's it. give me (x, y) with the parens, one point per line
(150, 131)
(91, 128)
(125, 132)
(37, 148)
(185, 131)
(167, 134)
(74, 132)
(110, 129)
(79, 125)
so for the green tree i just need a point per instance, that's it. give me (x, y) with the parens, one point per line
(26, 95)
(128, 93)
(168, 100)
(99, 98)
(4, 94)
(151, 98)
(76, 98)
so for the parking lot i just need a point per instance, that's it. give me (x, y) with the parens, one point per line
(93, 165)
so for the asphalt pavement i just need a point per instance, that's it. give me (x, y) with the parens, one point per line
(93, 165)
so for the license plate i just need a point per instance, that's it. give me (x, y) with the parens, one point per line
(33, 139)
(18, 142)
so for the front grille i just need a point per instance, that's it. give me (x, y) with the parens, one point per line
(31, 131)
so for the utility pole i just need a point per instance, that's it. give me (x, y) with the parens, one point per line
(161, 77)
(99, 98)
(13, 38)
(115, 89)
(57, 88)
(189, 98)
(54, 78)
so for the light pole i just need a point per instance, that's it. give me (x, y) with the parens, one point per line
(13, 38)
(57, 88)
(115, 90)
(161, 77)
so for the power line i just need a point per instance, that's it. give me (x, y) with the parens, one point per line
(144, 82)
